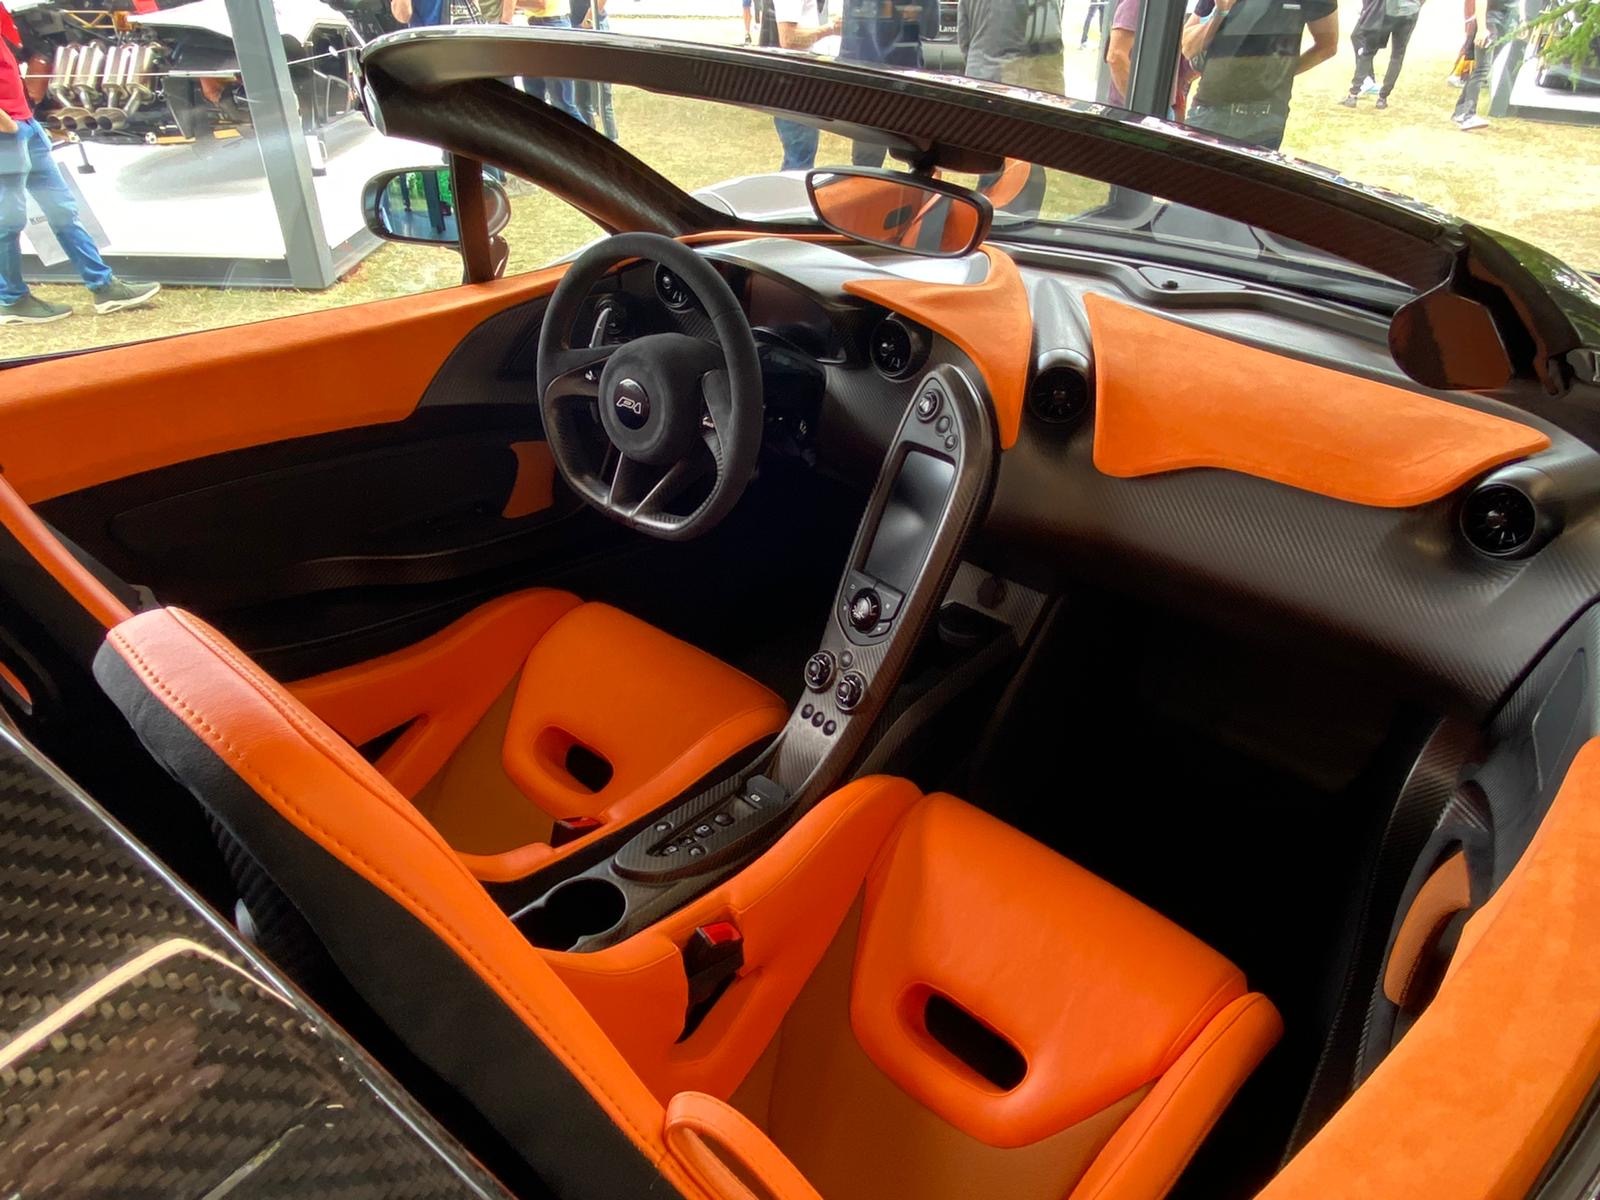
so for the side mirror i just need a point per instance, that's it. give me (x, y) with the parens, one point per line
(418, 205)
(924, 216)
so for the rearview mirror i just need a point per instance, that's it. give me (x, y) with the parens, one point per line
(419, 205)
(924, 216)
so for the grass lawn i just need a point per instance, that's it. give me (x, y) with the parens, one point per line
(1536, 180)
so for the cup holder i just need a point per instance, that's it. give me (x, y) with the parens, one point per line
(577, 909)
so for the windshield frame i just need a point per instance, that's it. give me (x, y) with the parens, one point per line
(443, 86)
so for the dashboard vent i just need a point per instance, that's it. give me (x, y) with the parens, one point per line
(897, 348)
(1500, 520)
(1059, 395)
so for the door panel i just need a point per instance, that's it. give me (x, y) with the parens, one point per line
(75, 422)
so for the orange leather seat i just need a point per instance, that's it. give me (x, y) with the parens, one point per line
(963, 1012)
(489, 710)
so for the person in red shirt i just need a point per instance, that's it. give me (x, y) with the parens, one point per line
(26, 168)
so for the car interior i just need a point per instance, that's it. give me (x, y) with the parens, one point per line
(786, 712)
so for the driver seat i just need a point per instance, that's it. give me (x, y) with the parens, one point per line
(539, 722)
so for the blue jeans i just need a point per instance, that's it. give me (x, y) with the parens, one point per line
(799, 144)
(25, 164)
(555, 92)
(594, 99)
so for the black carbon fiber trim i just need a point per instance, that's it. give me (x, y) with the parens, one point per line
(1364, 225)
(147, 1054)
(1416, 812)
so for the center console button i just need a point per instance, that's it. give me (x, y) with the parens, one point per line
(852, 689)
(819, 672)
(866, 609)
(928, 405)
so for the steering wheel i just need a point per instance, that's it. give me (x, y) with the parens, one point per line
(673, 408)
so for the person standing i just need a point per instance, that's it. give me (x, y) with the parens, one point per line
(594, 98)
(883, 33)
(1096, 10)
(418, 14)
(1119, 61)
(796, 26)
(545, 14)
(1248, 53)
(1382, 22)
(26, 168)
(1498, 21)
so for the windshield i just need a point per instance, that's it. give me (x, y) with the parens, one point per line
(157, 176)
(1464, 105)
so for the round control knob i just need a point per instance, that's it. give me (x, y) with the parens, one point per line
(928, 405)
(866, 607)
(819, 671)
(851, 691)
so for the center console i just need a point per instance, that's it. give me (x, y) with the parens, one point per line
(934, 480)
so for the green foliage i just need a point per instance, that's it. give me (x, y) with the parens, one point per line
(1572, 28)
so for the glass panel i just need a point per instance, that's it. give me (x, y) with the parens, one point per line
(1473, 107)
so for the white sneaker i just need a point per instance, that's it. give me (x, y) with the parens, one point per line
(1473, 122)
(1369, 86)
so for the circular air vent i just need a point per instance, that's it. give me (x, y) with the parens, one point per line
(1500, 520)
(897, 349)
(1059, 395)
(674, 293)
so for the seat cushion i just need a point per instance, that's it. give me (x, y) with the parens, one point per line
(660, 712)
(437, 689)
(489, 708)
(1098, 993)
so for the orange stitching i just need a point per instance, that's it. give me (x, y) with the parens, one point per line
(456, 942)
(1150, 1123)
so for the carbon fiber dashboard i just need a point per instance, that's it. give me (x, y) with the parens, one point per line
(1397, 587)
(145, 1053)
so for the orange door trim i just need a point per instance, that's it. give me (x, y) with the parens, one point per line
(991, 321)
(1169, 397)
(153, 404)
(1479, 1093)
(71, 423)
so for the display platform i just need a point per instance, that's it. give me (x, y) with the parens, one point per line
(1556, 103)
(203, 213)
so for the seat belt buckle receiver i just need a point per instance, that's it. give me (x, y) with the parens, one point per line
(712, 959)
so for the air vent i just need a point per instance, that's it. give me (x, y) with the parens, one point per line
(1059, 395)
(897, 349)
(672, 291)
(1500, 520)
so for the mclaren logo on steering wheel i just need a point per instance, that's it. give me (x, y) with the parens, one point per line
(632, 404)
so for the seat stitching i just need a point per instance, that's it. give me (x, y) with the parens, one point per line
(460, 945)
(1203, 1016)
(1150, 1124)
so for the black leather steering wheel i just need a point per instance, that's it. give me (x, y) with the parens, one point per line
(672, 408)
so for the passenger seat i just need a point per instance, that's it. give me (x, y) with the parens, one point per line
(994, 1020)
(931, 1004)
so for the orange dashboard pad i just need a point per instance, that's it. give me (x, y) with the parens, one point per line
(1169, 397)
(991, 321)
